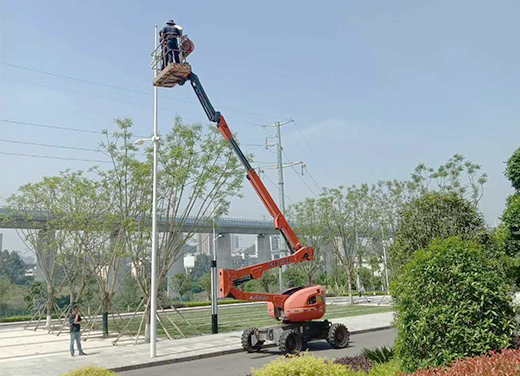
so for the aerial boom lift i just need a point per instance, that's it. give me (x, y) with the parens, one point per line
(296, 307)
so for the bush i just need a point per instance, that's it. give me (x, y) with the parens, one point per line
(90, 371)
(433, 216)
(308, 365)
(451, 302)
(303, 365)
(506, 363)
(356, 363)
(381, 354)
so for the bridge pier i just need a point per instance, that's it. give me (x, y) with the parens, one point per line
(224, 259)
(263, 247)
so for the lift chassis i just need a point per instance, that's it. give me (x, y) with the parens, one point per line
(298, 308)
(291, 337)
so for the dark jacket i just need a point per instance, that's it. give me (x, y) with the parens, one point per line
(74, 327)
(169, 34)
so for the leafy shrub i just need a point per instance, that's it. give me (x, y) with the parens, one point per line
(433, 216)
(381, 354)
(506, 363)
(90, 371)
(451, 302)
(356, 363)
(303, 365)
(308, 365)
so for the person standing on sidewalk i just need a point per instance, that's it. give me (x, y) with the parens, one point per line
(75, 331)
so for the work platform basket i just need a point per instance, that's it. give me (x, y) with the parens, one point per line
(169, 75)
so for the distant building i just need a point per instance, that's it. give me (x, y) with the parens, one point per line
(275, 243)
(236, 242)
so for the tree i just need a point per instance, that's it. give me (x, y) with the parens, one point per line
(197, 175)
(434, 216)
(513, 169)
(509, 230)
(449, 178)
(451, 302)
(40, 205)
(12, 267)
(310, 226)
(6, 293)
(204, 284)
(351, 215)
(182, 284)
(294, 277)
(201, 267)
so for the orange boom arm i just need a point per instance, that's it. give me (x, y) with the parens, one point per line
(231, 279)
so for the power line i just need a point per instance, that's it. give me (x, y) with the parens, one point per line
(312, 178)
(58, 127)
(50, 157)
(297, 173)
(50, 146)
(274, 185)
(92, 82)
(51, 126)
(75, 78)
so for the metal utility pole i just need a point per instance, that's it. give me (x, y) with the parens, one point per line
(153, 288)
(281, 193)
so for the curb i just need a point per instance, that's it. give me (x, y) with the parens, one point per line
(217, 353)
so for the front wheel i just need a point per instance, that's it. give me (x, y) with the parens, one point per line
(250, 342)
(290, 342)
(338, 336)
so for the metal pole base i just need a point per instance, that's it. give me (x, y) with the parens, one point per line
(214, 324)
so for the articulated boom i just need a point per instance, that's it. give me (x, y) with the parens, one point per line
(230, 279)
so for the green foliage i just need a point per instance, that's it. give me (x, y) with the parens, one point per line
(129, 294)
(36, 295)
(433, 216)
(204, 284)
(13, 267)
(511, 219)
(202, 267)
(513, 169)
(304, 365)
(309, 365)
(90, 371)
(6, 293)
(181, 284)
(451, 301)
(381, 354)
(294, 277)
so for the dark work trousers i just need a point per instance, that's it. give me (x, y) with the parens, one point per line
(173, 51)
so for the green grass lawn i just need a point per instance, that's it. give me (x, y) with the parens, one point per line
(232, 318)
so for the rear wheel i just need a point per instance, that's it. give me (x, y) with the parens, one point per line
(250, 342)
(290, 342)
(338, 336)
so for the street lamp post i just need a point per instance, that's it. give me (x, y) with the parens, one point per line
(214, 284)
(153, 275)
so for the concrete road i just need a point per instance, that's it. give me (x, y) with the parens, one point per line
(240, 364)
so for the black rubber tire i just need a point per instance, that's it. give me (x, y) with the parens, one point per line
(338, 336)
(246, 341)
(290, 342)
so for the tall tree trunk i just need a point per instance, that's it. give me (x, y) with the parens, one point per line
(50, 305)
(349, 280)
(104, 308)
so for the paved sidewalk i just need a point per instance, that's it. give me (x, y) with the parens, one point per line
(50, 355)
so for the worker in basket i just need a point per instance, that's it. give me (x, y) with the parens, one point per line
(170, 35)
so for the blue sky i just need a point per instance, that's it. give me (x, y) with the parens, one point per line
(374, 87)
